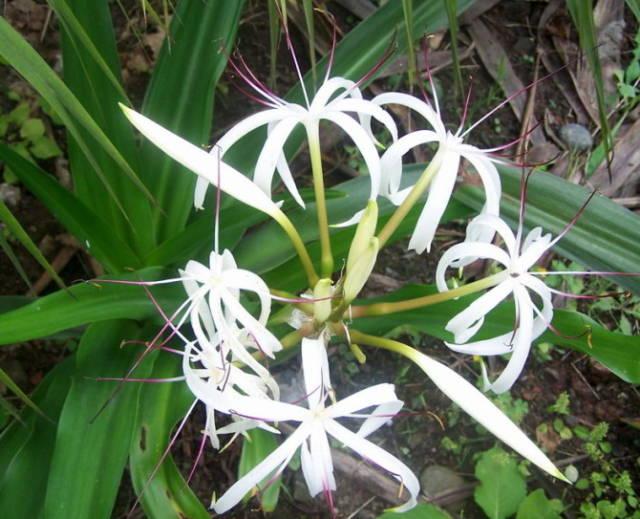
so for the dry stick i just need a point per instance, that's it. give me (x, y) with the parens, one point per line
(59, 262)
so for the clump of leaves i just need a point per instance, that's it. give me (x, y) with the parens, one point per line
(23, 128)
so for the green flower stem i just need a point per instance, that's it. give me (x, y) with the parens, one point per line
(298, 244)
(418, 190)
(385, 344)
(432, 299)
(326, 261)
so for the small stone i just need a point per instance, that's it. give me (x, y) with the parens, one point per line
(10, 194)
(576, 137)
(436, 479)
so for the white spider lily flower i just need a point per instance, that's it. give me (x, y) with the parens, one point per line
(208, 167)
(215, 309)
(219, 375)
(316, 423)
(515, 279)
(336, 98)
(451, 150)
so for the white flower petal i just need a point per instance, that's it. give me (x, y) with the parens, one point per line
(521, 342)
(364, 145)
(329, 88)
(415, 104)
(468, 250)
(203, 164)
(439, 195)
(360, 106)
(368, 397)
(381, 415)
(312, 476)
(321, 459)
(478, 406)
(270, 154)
(351, 221)
(379, 457)
(274, 462)
(465, 324)
(315, 368)
(391, 160)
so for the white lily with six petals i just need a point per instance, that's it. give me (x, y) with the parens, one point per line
(283, 117)
(316, 423)
(515, 279)
(451, 150)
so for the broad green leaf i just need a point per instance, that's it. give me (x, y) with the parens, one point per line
(257, 445)
(620, 353)
(180, 97)
(26, 450)
(81, 38)
(14, 227)
(91, 451)
(162, 490)
(537, 506)
(606, 237)
(502, 486)
(28, 63)
(89, 228)
(421, 511)
(87, 303)
(197, 237)
(85, 73)
(268, 250)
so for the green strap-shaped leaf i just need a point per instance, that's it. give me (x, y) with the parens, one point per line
(92, 74)
(620, 353)
(21, 235)
(256, 446)
(15, 389)
(87, 303)
(89, 228)
(26, 449)
(180, 97)
(28, 63)
(91, 451)
(606, 237)
(162, 490)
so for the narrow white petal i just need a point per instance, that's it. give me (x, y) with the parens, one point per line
(494, 224)
(500, 345)
(321, 458)
(360, 106)
(329, 88)
(315, 368)
(521, 342)
(269, 156)
(465, 250)
(391, 160)
(274, 462)
(439, 195)
(364, 145)
(379, 457)
(472, 401)
(246, 280)
(310, 471)
(465, 324)
(414, 104)
(351, 221)
(381, 415)
(368, 397)
(203, 164)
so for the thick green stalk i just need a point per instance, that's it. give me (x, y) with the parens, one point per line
(326, 260)
(432, 299)
(418, 190)
(298, 244)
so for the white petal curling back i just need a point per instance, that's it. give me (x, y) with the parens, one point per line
(203, 164)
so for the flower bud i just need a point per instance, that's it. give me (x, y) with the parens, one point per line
(364, 232)
(322, 308)
(360, 271)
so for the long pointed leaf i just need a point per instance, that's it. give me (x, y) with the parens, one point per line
(91, 452)
(90, 230)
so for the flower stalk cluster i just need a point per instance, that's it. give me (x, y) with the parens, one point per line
(226, 337)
